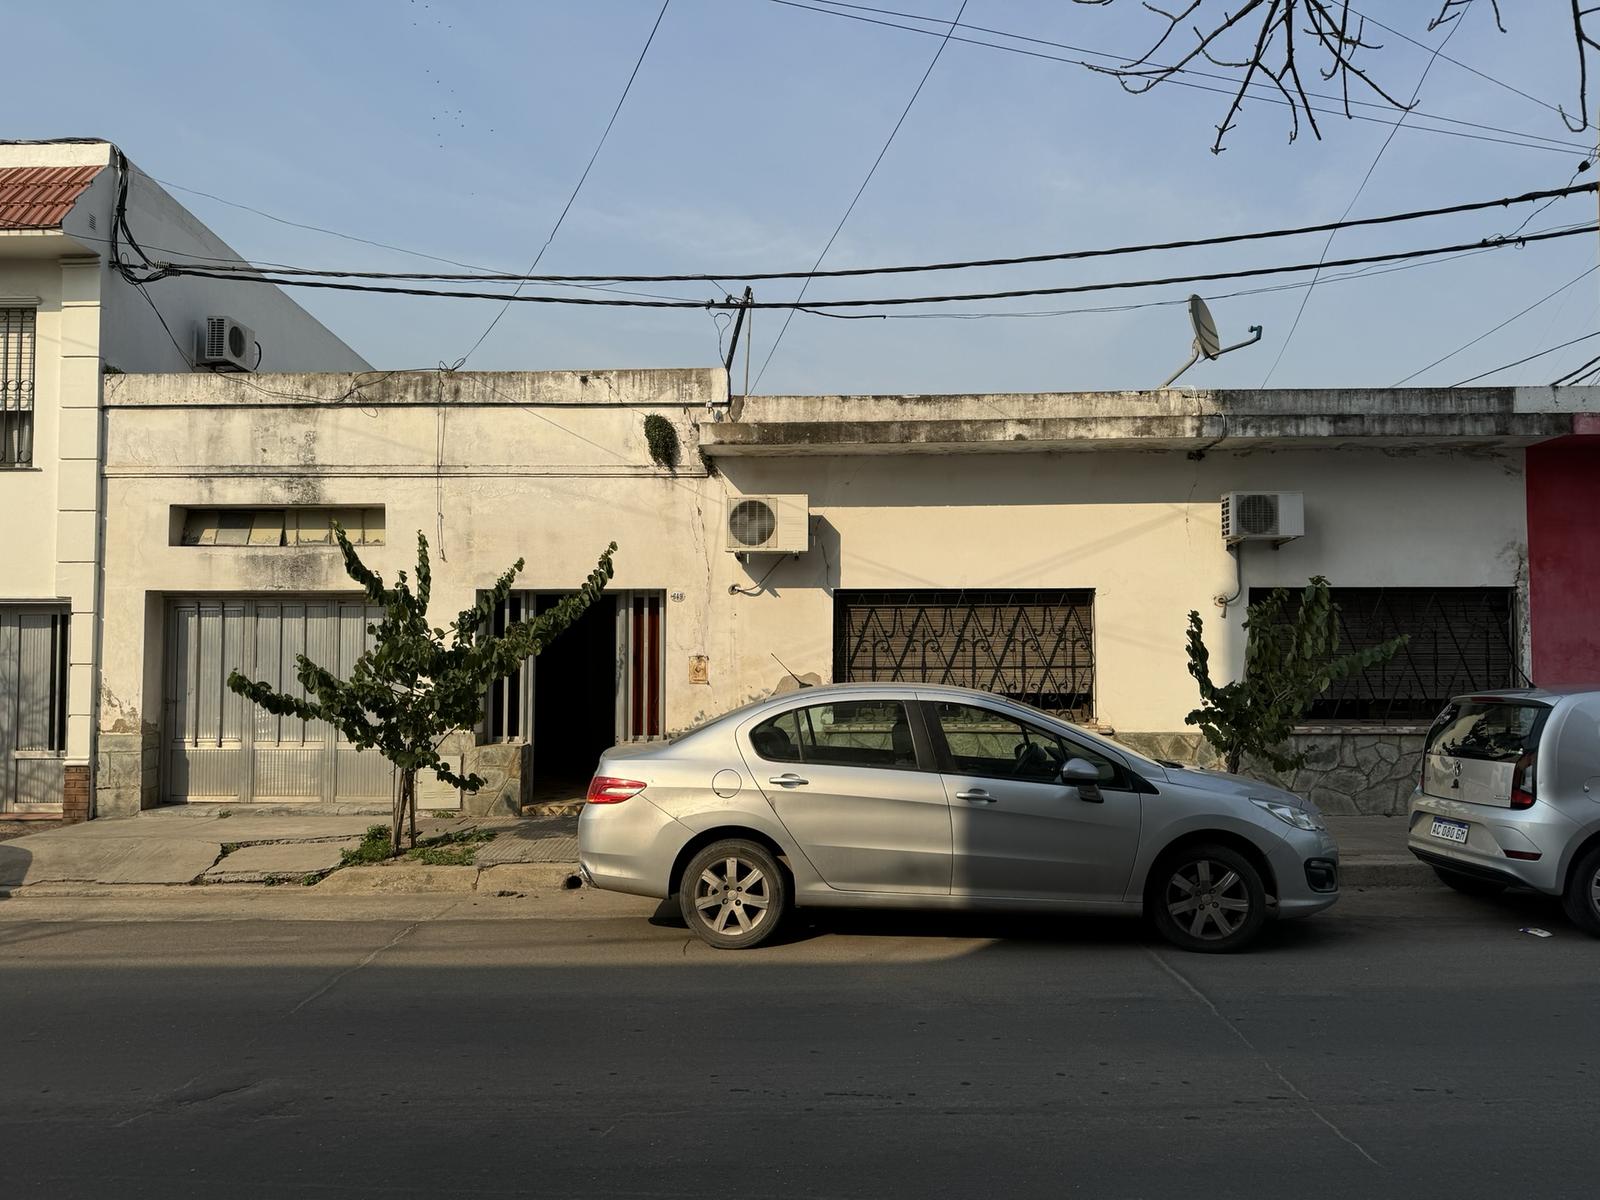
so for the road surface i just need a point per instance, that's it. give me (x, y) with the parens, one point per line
(280, 1043)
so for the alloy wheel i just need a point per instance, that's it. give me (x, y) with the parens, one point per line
(1207, 899)
(733, 897)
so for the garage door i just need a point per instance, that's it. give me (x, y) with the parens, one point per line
(220, 747)
(1034, 645)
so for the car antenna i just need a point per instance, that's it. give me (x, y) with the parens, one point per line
(792, 675)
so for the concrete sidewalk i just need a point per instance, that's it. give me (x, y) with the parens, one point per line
(174, 847)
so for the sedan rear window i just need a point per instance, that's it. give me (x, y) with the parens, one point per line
(847, 733)
(1487, 730)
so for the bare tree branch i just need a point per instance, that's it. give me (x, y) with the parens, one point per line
(1258, 39)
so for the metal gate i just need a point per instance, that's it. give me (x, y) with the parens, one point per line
(33, 707)
(220, 747)
(1033, 645)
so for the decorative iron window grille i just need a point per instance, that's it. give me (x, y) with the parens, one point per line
(16, 387)
(1035, 645)
(1462, 640)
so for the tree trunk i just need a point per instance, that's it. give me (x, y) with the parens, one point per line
(1233, 761)
(411, 806)
(397, 808)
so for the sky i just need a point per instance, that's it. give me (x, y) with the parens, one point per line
(458, 129)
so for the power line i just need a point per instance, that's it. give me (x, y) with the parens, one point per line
(1363, 273)
(871, 171)
(731, 303)
(1549, 143)
(722, 277)
(554, 229)
(1555, 108)
(1487, 332)
(1574, 376)
(1528, 358)
(1361, 187)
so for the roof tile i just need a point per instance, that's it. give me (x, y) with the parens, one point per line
(41, 197)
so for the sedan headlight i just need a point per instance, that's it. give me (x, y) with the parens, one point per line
(1289, 814)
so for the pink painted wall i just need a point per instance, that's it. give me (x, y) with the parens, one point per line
(1563, 478)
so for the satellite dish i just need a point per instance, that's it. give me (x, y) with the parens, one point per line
(1206, 342)
(1205, 328)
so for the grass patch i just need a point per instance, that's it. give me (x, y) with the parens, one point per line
(457, 849)
(374, 848)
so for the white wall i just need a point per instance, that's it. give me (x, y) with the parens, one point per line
(554, 482)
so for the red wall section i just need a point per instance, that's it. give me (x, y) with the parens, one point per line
(1563, 479)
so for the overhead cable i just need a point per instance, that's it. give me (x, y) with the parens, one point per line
(722, 277)
(881, 302)
(854, 200)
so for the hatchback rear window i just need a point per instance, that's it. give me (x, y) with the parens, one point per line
(1487, 730)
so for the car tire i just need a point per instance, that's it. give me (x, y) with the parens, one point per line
(1468, 885)
(1581, 896)
(733, 894)
(1207, 898)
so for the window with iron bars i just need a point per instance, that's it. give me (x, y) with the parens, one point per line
(1461, 640)
(1034, 645)
(16, 387)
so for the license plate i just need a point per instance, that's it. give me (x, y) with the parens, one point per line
(1450, 831)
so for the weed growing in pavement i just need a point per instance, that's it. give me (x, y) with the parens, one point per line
(374, 848)
(455, 849)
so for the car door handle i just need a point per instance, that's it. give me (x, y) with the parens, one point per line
(788, 779)
(975, 796)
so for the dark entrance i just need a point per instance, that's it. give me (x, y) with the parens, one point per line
(575, 698)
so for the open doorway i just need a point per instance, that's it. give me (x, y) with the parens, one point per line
(574, 700)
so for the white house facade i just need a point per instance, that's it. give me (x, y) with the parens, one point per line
(1047, 546)
(69, 322)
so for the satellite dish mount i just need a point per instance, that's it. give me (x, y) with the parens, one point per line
(1206, 343)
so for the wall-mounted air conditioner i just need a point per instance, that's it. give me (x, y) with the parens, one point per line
(768, 525)
(1263, 516)
(223, 342)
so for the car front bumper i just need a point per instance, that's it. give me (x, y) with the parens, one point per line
(1305, 865)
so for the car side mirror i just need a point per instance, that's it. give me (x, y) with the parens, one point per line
(1085, 776)
(1079, 770)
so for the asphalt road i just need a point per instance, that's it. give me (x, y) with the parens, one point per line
(1407, 1043)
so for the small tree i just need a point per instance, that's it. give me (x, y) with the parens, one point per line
(415, 685)
(1291, 657)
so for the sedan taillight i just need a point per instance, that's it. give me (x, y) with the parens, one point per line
(608, 789)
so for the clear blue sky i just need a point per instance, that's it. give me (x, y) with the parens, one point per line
(458, 129)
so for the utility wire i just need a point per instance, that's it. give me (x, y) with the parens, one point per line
(721, 278)
(554, 229)
(1232, 89)
(732, 303)
(1528, 358)
(1363, 273)
(1574, 376)
(1487, 332)
(1484, 75)
(871, 171)
(1361, 187)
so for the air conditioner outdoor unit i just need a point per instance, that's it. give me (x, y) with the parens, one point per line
(768, 524)
(223, 342)
(1263, 516)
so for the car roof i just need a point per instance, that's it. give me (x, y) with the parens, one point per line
(1534, 693)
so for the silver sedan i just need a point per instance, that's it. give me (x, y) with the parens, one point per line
(905, 796)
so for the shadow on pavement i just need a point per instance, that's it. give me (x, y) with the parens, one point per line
(14, 860)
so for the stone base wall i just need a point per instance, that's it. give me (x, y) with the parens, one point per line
(1365, 770)
(504, 768)
(126, 773)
